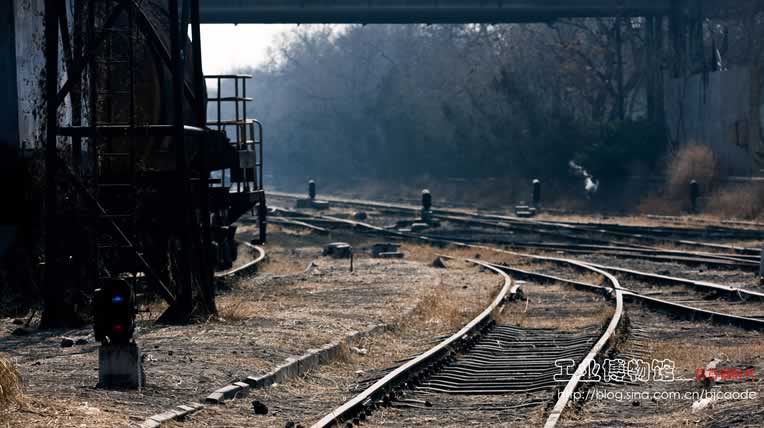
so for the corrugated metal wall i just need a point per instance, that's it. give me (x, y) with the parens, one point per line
(715, 109)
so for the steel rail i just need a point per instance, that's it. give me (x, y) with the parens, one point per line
(744, 258)
(721, 261)
(673, 308)
(246, 268)
(282, 221)
(400, 374)
(619, 292)
(702, 285)
(696, 284)
(409, 208)
(574, 227)
(570, 386)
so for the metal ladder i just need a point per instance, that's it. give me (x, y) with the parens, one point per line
(115, 171)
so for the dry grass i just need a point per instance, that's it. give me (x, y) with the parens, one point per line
(237, 310)
(10, 383)
(691, 355)
(542, 309)
(439, 307)
(427, 253)
(690, 162)
(743, 201)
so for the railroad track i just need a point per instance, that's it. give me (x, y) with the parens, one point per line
(247, 268)
(588, 237)
(485, 359)
(691, 302)
(693, 299)
(607, 232)
(715, 260)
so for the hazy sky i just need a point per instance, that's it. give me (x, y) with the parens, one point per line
(226, 47)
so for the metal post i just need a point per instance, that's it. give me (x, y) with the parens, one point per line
(536, 192)
(244, 129)
(694, 194)
(761, 266)
(53, 292)
(201, 120)
(312, 189)
(426, 199)
(9, 126)
(426, 206)
(184, 283)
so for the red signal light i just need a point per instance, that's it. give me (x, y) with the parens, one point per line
(118, 328)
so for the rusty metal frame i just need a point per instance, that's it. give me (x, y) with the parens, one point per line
(77, 64)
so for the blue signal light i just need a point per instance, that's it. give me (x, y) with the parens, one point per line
(117, 299)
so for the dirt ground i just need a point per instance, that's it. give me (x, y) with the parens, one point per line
(298, 301)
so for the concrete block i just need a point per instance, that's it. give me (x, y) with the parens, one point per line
(285, 371)
(418, 227)
(215, 398)
(384, 247)
(391, 255)
(228, 392)
(243, 389)
(150, 423)
(120, 366)
(320, 205)
(308, 362)
(328, 353)
(338, 250)
(164, 417)
(303, 203)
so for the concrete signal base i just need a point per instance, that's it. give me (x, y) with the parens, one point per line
(120, 366)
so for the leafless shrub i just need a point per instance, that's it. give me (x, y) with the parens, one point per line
(690, 162)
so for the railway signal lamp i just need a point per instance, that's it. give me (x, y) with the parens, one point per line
(536, 192)
(312, 189)
(114, 312)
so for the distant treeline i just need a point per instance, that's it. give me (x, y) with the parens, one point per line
(382, 101)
